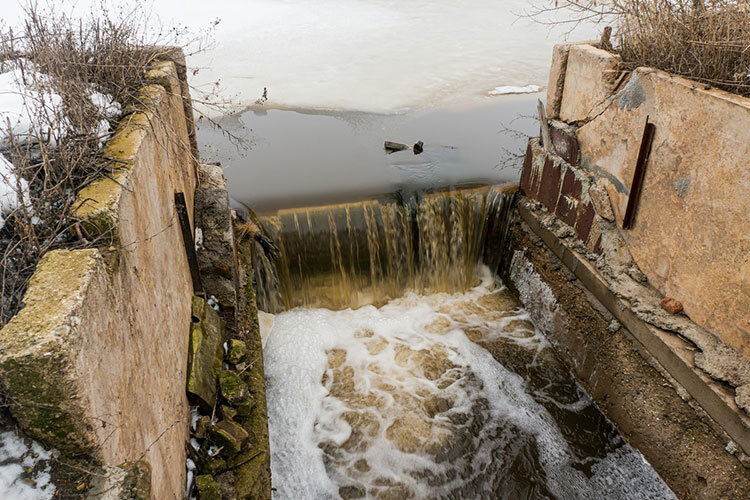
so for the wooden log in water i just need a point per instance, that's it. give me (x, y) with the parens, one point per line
(394, 146)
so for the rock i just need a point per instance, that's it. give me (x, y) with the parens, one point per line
(229, 436)
(215, 465)
(201, 427)
(600, 199)
(418, 147)
(613, 326)
(237, 351)
(227, 412)
(671, 305)
(208, 488)
(742, 397)
(204, 355)
(245, 408)
(233, 388)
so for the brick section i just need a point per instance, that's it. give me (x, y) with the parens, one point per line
(549, 185)
(557, 188)
(571, 186)
(565, 144)
(585, 219)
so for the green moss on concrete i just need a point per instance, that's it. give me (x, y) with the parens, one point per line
(208, 488)
(42, 400)
(97, 205)
(253, 467)
(237, 351)
(204, 354)
(35, 351)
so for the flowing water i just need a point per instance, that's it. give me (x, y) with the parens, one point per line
(399, 366)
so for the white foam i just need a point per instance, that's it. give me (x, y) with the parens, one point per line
(307, 413)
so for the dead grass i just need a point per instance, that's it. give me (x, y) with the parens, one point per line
(108, 53)
(705, 40)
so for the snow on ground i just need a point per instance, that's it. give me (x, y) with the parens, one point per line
(509, 89)
(24, 470)
(21, 106)
(379, 56)
(8, 189)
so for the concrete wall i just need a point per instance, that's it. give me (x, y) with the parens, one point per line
(690, 236)
(96, 360)
(608, 349)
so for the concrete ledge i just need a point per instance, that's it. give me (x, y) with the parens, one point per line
(591, 76)
(711, 396)
(38, 346)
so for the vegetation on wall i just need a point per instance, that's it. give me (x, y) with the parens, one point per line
(705, 40)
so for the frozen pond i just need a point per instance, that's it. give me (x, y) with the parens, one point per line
(381, 56)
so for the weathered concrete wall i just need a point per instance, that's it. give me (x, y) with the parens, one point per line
(96, 360)
(690, 235)
(627, 383)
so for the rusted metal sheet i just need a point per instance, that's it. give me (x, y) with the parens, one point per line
(187, 237)
(639, 174)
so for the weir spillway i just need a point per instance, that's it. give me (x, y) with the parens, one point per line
(369, 252)
(400, 366)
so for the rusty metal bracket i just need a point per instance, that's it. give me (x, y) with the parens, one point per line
(187, 238)
(639, 174)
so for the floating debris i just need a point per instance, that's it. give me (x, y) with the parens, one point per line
(390, 147)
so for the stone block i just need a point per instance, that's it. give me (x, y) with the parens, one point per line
(237, 351)
(233, 388)
(229, 436)
(204, 354)
(208, 488)
(591, 76)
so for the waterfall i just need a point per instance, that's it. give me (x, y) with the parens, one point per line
(368, 252)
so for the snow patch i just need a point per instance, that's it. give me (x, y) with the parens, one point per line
(509, 89)
(9, 185)
(16, 460)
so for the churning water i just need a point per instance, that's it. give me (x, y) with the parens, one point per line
(436, 396)
(449, 392)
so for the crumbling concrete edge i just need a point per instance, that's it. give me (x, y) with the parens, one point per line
(706, 392)
(34, 345)
(97, 204)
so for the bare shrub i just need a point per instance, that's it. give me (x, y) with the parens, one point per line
(78, 78)
(705, 40)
